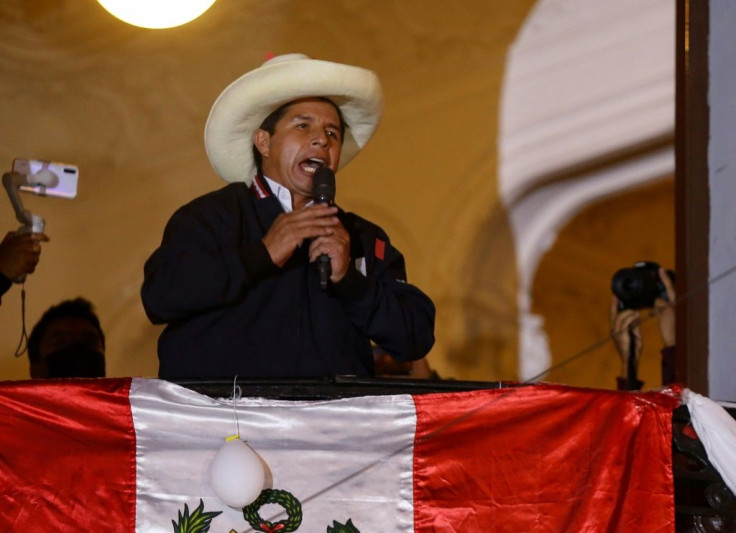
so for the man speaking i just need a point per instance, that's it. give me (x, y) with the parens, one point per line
(236, 276)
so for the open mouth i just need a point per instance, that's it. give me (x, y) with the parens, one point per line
(311, 164)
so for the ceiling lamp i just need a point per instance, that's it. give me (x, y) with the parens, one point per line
(156, 13)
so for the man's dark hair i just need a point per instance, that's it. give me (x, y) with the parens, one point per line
(76, 308)
(269, 125)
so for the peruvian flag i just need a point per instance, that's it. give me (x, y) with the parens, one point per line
(133, 455)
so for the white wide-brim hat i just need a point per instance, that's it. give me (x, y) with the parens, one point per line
(243, 106)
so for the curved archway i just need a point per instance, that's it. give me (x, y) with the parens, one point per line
(587, 111)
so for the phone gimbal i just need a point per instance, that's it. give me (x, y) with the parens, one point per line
(31, 223)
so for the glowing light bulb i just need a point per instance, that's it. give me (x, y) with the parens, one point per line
(156, 14)
(237, 474)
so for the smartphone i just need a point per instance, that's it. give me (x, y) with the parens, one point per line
(58, 180)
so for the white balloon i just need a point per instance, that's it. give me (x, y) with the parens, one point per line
(237, 474)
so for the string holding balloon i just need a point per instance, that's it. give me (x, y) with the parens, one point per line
(237, 475)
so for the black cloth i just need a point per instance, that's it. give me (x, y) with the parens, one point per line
(230, 311)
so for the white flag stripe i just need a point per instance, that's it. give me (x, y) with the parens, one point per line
(343, 459)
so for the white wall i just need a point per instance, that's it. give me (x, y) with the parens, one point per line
(722, 180)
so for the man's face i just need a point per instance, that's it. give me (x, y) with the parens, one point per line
(64, 332)
(305, 138)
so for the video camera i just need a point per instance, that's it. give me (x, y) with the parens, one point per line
(639, 286)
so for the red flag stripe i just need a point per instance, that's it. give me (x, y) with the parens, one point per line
(83, 476)
(543, 458)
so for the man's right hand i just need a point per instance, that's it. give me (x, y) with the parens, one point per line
(19, 254)
(289, 230)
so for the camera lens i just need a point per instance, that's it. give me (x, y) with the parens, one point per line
(637, 287)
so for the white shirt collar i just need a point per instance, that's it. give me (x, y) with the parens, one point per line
(282, 193)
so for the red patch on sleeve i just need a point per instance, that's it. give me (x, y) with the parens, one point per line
(380, 249)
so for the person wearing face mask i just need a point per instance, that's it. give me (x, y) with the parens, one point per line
(67, 342)
(235, 278)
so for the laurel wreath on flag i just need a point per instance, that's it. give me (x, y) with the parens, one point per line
(291, 505)
(199, 520)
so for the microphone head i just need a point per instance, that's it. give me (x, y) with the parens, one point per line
(323, 186)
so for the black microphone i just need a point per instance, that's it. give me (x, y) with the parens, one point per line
(323, 192)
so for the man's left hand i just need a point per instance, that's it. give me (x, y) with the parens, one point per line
(336, 245)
